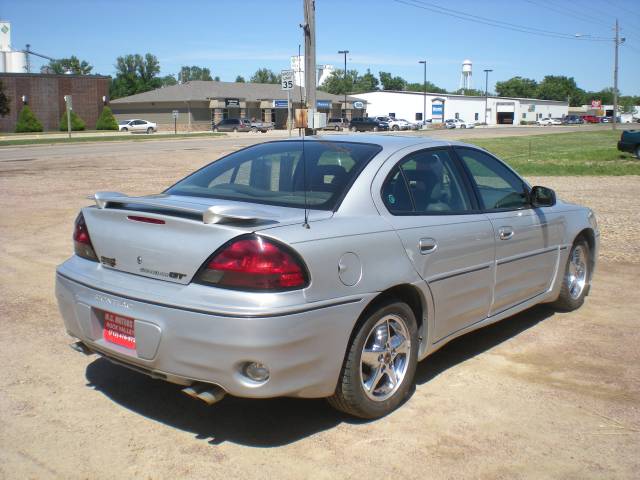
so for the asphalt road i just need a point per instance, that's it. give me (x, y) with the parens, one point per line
(231, 142)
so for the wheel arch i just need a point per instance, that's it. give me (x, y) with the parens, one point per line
(588, 235)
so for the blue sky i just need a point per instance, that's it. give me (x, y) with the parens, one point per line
(237, 37)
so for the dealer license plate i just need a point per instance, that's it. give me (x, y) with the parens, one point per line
(119, 330)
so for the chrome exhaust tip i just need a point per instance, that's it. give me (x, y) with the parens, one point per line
(82, 348)
(208, 393)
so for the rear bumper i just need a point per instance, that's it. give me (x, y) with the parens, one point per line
(627, 147)
(303, 350)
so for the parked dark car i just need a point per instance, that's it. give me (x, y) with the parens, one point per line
(630, 142)
(572, 120)
(367, 125)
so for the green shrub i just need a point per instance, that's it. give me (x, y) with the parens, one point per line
(76, 122)
(107, 121)
(27, 121)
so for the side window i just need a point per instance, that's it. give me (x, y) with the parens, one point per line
(498, 186)
(426, 182)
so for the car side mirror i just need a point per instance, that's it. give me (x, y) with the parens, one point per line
(542, 197)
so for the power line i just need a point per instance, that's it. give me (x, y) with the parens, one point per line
(615, 5)
(576, 15)
(496, 23)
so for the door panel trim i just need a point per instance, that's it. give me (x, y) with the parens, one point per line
(526, 255)
(457, 274)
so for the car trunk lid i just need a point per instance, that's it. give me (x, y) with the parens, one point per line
(169, 237)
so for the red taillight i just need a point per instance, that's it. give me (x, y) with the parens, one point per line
(255, 263)
(82, 241)
(155, 221)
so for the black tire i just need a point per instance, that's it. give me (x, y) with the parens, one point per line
(353, 129)
(395, 128)
(149, 131)
(638, 151)
(254, 130)
(463, 126)
(375, 129)
(235, 130)
(350, 396)
(215, 129)
(125, 129)
(569, 299)
(337, 128)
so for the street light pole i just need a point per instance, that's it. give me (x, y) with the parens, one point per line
(617, 42)
(344, 52)
(424, 93)
(486, 93)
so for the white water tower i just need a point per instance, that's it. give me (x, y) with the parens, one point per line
(11, 61)
(465, 77)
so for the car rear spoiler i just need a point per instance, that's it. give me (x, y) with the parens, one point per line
(209, 214)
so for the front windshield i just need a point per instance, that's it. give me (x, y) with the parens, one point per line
(124, 122)
(274, 174)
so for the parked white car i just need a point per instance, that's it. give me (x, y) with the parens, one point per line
(394, 123)
(458, 123)
(547, 122)
(137, 125)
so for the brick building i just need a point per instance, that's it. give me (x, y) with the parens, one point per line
(45, 93)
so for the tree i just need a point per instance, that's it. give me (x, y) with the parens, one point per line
(627, 105)
(239, 79)
(365, 83)
(106, 121)
(560, 88)
(517, 87)
(76, 122)
(419, 87)
(4, 102)
(168, 81)
(72, 64)
(27, 121)
(188, 74)
(264, 75)
(216, 78)
(391, 83)
(469, 92)
(338, 84)
(135, 74)
(605, 96)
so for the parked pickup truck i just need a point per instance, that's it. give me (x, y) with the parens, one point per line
(630, 142)
(241, 125)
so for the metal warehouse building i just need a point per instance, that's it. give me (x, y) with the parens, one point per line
(439, 107)
(201, 102)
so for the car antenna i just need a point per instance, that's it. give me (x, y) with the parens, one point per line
(304, 159)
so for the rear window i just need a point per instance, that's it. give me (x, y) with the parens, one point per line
(276, 174)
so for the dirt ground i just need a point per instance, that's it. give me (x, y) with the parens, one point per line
(539, 395)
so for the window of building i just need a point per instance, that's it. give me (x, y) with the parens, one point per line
(524, 115)
(457, 115)
(419, 116)
(476, 116)
(392, 115)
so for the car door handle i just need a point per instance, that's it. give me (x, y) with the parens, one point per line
(427, 245)
(505, 233)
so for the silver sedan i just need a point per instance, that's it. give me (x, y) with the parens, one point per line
(319, 267)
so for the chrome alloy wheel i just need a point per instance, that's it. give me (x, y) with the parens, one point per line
(577, 272)
(385, 358)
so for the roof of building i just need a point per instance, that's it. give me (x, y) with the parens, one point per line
(462, 96)
(51, 75)
(201, 90)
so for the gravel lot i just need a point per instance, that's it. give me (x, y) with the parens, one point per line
(541, 394)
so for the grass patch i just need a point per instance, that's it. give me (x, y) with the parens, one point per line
(140, 137)
(560, 154)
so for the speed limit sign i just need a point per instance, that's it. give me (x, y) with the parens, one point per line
(287, 79)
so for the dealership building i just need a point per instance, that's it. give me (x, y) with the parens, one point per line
(439, 107)
(197, 104)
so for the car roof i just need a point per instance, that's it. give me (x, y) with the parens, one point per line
(393, 141)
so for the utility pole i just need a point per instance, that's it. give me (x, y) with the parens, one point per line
(617, 42)
(486, 93)
(344, 52)
(424, 92)
(309, 28)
